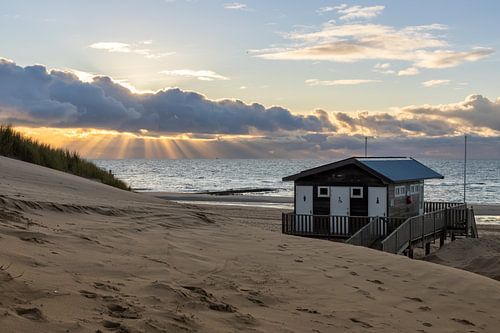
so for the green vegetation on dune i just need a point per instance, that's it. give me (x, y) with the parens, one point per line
(14, 145)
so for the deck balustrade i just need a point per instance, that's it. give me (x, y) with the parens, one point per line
(392, 234)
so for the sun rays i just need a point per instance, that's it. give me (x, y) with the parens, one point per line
(99, 143)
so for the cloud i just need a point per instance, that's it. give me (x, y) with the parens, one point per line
(112, 47)
(33, 96)
(408, 71)
(202, 75)
(235, 6)
(422, 46)
(435, 83)
(447, 58)
(475, 115)
(137, 48)
(359, 12)
(384, 68)
(316, 82)
(475, 111)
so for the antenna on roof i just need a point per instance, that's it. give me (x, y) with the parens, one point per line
(366, 146)
(465, 166)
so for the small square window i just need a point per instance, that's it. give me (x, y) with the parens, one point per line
(356, 192)
(323, 192)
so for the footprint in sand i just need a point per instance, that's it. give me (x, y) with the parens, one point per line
(114, 326)
(118, 311)
(104, 286)
(88, 294)
(375, 281)
(415, 299)
(31, 313)
(312, 311)
(365, 293)
(463, 321)
(362, 323)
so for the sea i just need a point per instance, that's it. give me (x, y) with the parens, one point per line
(199, 175)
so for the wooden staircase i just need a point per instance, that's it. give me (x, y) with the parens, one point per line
(454, 220)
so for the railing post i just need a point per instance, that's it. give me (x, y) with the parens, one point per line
(466, 222)
(434, 223)
(423, 229)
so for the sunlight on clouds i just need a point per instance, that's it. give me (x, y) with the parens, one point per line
(435, 83)
(136, 48)
(316, 82)
(408, 71)
(112, 47)
(421, 45)
(202, 75)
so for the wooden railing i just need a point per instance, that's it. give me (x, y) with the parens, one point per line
(471, 224)
(322, 225)
(399, 233)
(432, 206)
(420, 227)
(377, 228)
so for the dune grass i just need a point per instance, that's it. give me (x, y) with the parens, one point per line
(14, 145)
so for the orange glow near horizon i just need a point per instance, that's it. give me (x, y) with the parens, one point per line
(100, 143)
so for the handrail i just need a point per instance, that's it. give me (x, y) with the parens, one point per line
(368, 234)
(418, 227)
(431, 206)
(377, 228)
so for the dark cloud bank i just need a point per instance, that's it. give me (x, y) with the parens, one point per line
(33, 96)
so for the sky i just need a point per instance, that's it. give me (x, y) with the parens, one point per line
(253, 79)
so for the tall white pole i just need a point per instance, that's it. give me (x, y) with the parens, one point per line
(465, 167)
(366, 146)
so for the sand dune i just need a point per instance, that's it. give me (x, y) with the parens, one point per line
(79, 256)
(478, 255)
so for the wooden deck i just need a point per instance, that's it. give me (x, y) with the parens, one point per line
(394, 235)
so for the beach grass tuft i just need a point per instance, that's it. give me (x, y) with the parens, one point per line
(15, 145)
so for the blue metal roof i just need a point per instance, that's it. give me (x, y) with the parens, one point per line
(399, 169)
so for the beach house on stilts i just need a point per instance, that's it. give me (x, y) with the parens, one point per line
(375, 202)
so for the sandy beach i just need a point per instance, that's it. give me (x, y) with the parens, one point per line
(276, 201)
(79, 256)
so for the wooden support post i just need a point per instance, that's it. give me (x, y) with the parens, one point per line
(427, 248)
(442, 239)
(452, 236)
(410, 253)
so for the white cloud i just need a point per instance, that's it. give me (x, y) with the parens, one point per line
(408, 71)
(137, 48)
(235, 6)
(351, 82)
(359, 12)
(202, 75)
(435, 83)
(422, 46)
(112, 47)
(384, 68)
